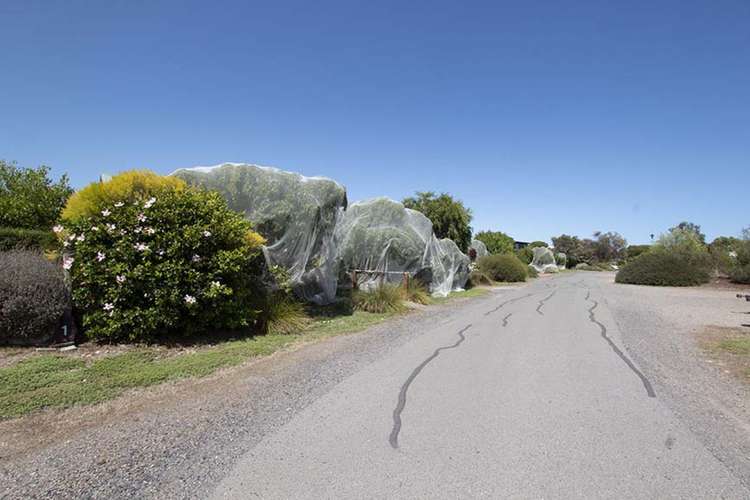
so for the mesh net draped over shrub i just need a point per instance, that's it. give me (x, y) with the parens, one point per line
(480, 248)
(386, 239)
(296, 214)
(544, 260)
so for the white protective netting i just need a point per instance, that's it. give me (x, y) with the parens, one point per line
(380, 240)
(561, 260)
(480, 248)
(544, 260)
(296, 214)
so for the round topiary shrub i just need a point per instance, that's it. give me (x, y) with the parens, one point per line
(663, 268)
(175, 265)
(503, 267)
(33, 298)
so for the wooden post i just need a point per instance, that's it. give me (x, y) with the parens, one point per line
(354, 279)
(406, 281)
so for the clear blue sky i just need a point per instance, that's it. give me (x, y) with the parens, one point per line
(543, 117)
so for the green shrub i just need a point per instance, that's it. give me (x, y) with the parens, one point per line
(740, 274)
(663, 268)
(525, 254)
(634, 251)
(503, 268)
(478, 278)
(416, 292)
(33, 298)
(125, 187)
(533, 273)
(383, 298)
(27, 239)
(175, 265)
(496, 241)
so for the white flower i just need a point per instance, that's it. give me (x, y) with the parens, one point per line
(108, 306)
(137, 229)
(189, 299)
(111, 227)
(106, 212)
(68, 263)
(66, 243)
(141, 247)
(196, 258)
(123, 232)
(100, 256)
(160, 253)
(94, 228)
(150, 230)
(80, 237)
(207, 234)
(149, 203)
(71, 237)
(58, 228)
(120, 279)
(215, 284)
(141, 218)
(119, 204)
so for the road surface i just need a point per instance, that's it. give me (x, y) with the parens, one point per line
(566, 387)
(529, 395)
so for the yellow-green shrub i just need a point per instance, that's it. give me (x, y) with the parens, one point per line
(125, 187)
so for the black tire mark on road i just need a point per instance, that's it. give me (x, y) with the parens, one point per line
(510, 301)
(541, 302)
(505, 319)
(623, 356)
(393, 439)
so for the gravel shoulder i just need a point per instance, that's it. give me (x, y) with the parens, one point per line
(178, 440)
(662, 329)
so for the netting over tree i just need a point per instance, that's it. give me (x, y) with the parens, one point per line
(296, 214)
(480, 248)
(561, 260)
(380, 240)
(544, 260)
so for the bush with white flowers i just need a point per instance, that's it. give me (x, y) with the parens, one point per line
(178, 264)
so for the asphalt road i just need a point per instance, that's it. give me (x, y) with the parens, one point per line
(530, 394)
(567, 387)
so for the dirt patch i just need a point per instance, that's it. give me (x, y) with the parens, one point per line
(723, 283)
(728, 348)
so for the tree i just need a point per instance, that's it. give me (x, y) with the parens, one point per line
(693, 228)
(497, 242)
(569, 245)
(28, 197)
(450, 218)
(608, 246)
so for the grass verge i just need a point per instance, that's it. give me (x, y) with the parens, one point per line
(466, 294)
(730, 348)
(60, 381)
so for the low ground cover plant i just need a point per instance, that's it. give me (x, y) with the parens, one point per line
(33, 297)
(506, 267)
(178, 264)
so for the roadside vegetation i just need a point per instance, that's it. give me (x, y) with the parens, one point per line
(730, 347)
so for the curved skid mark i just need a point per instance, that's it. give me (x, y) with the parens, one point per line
(541, 302)
(393, 439)
(510, 301)
(622, 355)
(505, 319)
